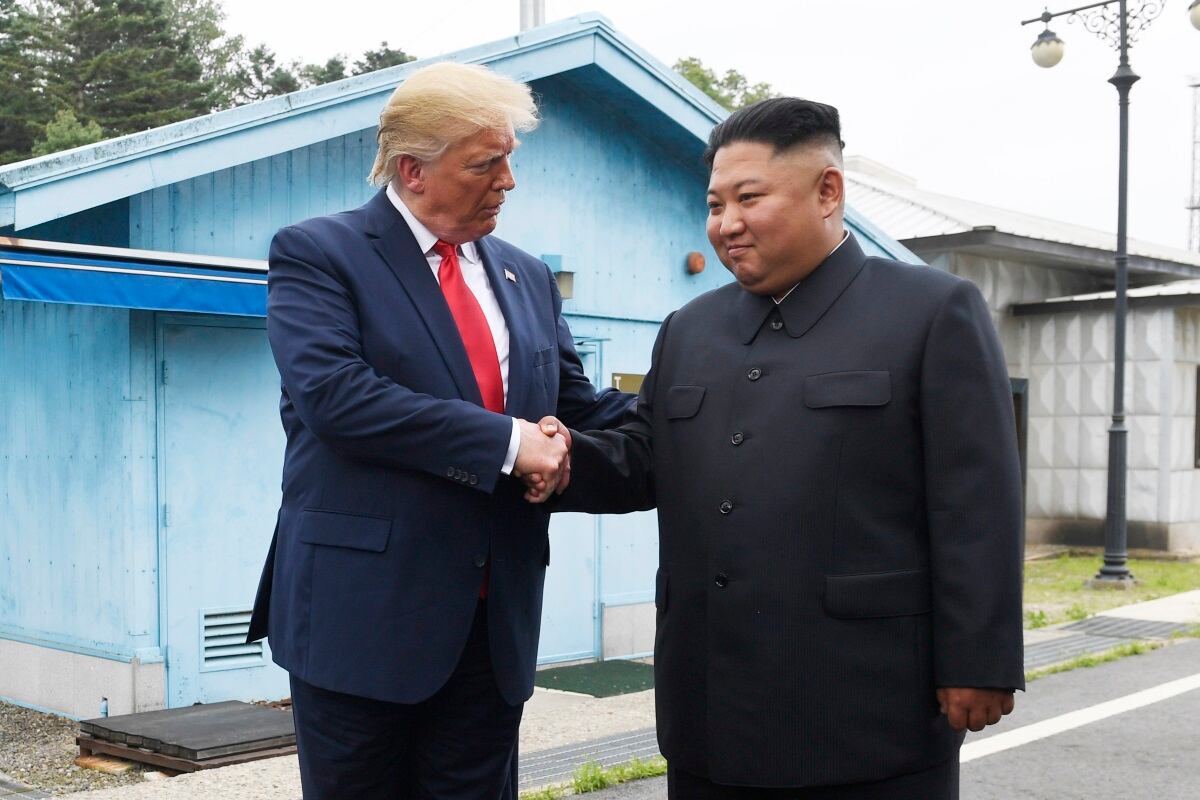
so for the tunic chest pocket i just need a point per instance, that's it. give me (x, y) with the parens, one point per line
(852, 388)
(683, 402)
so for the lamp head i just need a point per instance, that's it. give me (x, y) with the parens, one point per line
(1048, 49)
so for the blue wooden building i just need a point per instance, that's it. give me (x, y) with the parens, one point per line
(140, 445)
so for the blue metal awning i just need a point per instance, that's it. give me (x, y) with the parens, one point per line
(56, 272)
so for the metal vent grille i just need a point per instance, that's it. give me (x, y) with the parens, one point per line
(224, 641)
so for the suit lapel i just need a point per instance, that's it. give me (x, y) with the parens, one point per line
(520, 353)
(399, 250)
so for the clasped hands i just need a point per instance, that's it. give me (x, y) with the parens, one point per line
(543, 458)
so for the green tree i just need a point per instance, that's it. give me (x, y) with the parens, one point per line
(260, 76)
(203, 21)
(64, 132)
(316, 74)
(123, 64)
(733, 90)
(381, 58)
(23, 113)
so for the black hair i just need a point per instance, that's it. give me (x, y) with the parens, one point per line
(782, 122)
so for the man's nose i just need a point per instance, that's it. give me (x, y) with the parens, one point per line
(505, 180)
(731, 223)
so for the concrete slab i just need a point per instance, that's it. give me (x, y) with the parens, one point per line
(1179, 608)
(1042, 635)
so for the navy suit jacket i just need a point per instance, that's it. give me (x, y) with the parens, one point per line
(393, 496)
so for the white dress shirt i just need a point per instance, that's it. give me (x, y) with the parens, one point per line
(471, 265)
(845, 236)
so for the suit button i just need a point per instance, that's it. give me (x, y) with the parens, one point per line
(776, 324)
(473, 480)
(722, 580)
(754, 374)
(451, 473)
(737, 438)
(480, 560)
(726, 506)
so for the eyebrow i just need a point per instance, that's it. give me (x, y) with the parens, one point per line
(740, 184)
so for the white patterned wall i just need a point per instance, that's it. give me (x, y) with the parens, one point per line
(1070, 393)
(1184, 489)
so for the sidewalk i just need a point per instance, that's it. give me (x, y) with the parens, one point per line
(560, 730)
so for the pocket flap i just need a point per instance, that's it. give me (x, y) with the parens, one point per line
(683, 401)
(543, 357)
(855, 388)
(339, 529)
(877, 594)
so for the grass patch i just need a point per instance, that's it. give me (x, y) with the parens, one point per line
(591, 777)
(1094, 659)
(1055, 590)
(598, 678)
(1188, 633)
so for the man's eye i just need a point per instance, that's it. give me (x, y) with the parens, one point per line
(713, 207)
(742, 198)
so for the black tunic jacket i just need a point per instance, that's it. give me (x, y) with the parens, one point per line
(839, 504)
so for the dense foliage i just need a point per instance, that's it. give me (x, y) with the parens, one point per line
(73, 72)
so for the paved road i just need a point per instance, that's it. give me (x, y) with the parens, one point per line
(1146, 752)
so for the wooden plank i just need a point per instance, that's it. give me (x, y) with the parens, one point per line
(89, 746)
(199, 732)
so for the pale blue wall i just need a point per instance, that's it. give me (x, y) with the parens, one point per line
(235, 212)
(78, 563)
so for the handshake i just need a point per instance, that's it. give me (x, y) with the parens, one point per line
(543, 458)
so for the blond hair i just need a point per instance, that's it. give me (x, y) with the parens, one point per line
(442, 104)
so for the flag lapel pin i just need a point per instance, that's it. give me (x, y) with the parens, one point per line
(510, 276)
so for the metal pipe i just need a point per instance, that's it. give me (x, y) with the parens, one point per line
(533, 14)
(1115, 522)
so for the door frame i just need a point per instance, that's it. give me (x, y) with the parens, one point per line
(162, 321)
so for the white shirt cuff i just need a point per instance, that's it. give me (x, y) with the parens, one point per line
(514, 444)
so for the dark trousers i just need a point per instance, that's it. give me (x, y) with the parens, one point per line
(939, 783)
(460, 744)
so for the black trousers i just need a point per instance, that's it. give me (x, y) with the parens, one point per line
(460, 744)
(938, 783)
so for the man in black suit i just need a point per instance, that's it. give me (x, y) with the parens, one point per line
(831, 447)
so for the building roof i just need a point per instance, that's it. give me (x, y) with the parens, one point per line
(1180, 293)
(601, 60)
(59, 184)
(916, 216)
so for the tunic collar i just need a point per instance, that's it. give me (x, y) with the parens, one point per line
(811, 298)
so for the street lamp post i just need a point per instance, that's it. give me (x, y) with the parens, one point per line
(1119, 27)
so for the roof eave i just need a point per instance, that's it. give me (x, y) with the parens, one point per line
(1104, 304)
(1060, 254)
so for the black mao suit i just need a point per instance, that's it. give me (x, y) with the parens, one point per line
(839, 508)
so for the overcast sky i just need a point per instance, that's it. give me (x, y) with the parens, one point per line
(943, 90)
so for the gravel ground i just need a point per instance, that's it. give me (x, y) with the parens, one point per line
(38, 749)
(553, 719)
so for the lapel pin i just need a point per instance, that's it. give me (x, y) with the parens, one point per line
(510, 276)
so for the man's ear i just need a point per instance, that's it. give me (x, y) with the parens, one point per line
(832, 191)
(410, 173)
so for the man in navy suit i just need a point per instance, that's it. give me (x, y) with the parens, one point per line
(403, 589)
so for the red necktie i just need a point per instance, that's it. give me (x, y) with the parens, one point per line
(477, 338)
(472, 327)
